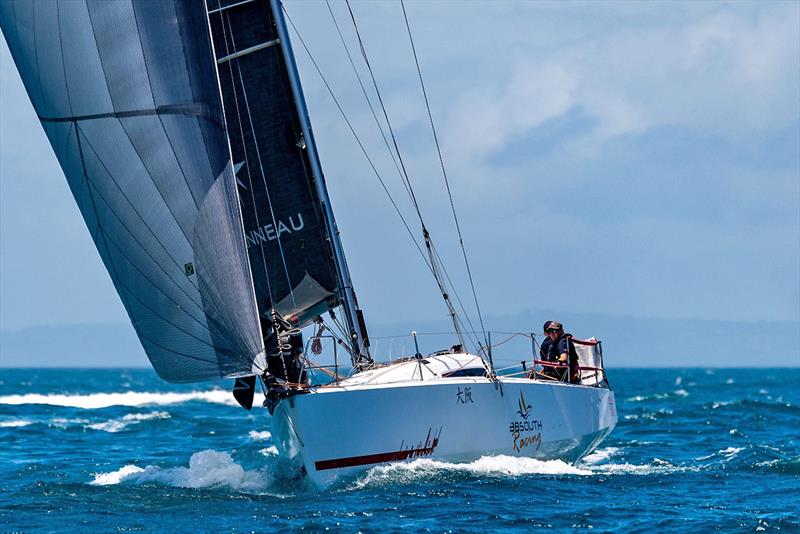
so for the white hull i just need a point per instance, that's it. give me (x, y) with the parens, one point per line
(340, 431)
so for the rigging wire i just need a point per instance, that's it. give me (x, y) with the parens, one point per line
(260, 162)
(433, 259)
(472, 329)
(404, 173)
(407, 181)
(246, 163)
(391, 154)
(444, 173)
(363, 89)
(358, 140)
(433, 267)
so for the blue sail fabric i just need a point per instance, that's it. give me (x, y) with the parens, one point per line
(127, 94)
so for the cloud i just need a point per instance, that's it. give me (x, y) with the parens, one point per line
(727, 72)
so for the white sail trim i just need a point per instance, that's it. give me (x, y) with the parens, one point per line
(305, 295)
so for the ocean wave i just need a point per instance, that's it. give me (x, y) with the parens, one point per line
(128, 398)
(259, 436)
(207, 470)
(600, 455)
(751, 458)
(116, 425)
(786, 467)
(599, 462)
(14, 423)
(62, 422)
(749, 405)
(658, 396)
(656, 467)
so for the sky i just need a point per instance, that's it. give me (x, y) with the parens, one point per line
(637, 159)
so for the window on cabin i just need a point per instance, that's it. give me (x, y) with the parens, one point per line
(469, 371)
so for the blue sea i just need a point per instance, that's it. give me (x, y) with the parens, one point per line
(103, 450)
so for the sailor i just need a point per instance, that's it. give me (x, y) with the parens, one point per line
(560, 349)
(547, 354)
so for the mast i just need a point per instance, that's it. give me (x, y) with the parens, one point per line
(359, 341)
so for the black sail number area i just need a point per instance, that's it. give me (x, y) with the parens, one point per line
(290, 257)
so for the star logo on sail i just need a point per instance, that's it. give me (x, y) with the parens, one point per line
(236, 168)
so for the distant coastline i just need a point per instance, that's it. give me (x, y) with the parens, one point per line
(629, 342)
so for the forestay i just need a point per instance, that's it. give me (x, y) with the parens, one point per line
(290, 253)
(127, 94)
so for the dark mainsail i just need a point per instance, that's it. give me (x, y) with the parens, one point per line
(290, 254)
(127, 96)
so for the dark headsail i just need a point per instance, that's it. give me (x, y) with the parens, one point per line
(127, 96)
(290, 255)
(296, 258)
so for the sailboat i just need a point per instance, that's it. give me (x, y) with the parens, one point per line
(183, 132)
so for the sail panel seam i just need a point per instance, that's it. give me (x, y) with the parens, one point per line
(194, 109)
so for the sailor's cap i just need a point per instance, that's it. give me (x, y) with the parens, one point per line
(553, 325)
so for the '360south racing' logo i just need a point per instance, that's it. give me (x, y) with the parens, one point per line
(528, 432)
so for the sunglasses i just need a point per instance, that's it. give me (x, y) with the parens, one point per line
(551, 330)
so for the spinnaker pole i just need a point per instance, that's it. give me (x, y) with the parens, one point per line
(354, 318)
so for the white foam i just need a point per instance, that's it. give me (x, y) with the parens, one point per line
(731, 452)
(272, 450)
(128, 398)
(115, 477)
(600, 455)
(484, 466)
(257, 436)
(60, 422)
(115, 425)
(516, 466)
(681, 393)
(15, 423)
(657, 467)
(207, 469)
